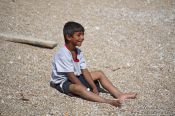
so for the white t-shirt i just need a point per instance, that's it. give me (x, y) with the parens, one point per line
(63, 63)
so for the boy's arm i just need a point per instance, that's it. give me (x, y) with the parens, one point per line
(89, 79)
(73, 78)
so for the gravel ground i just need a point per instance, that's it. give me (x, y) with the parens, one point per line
(132, 41)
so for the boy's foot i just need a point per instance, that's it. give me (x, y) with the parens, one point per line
(116, 103)
(125, 96)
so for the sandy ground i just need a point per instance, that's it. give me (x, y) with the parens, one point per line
(132, 41)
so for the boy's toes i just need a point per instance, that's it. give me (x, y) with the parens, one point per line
(133, 95)
(116, 103)
(128, 96)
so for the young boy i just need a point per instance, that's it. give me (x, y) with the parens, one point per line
(70, 75)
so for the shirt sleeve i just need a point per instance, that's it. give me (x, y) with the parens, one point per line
(64, 64)
(82, 61)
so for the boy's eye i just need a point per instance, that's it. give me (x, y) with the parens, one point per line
(79, 34)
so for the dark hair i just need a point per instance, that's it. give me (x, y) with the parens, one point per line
(70, 28)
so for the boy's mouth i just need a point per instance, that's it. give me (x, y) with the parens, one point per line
(79, 42)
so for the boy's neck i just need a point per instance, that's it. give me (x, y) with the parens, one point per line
(70, 47)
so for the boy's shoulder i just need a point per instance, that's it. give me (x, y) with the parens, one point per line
(62, 51)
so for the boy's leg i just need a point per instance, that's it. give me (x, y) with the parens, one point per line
(82, 92)
(99, 75)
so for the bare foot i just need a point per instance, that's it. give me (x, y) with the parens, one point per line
(116, 103)
(125, 96)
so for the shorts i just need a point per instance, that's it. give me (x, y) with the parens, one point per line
(66, 84)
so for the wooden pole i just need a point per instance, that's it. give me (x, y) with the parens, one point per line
(30, 41)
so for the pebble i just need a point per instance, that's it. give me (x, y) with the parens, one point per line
(97, 28)
(11, 62)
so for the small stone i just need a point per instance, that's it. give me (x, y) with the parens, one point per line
(11, 62)
(9, 96)
(19, 57)
(2, 101)
(128, 64)
(97, 28)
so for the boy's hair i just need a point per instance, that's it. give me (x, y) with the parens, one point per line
(70, 28)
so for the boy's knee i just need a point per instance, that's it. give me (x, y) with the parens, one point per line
(100, 73)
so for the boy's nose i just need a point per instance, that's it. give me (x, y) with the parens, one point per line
(82, 38)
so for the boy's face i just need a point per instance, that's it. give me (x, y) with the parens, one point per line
(77, 38)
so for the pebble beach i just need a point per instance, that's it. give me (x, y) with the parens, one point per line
(131, 41)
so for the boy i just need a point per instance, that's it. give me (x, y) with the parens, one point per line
(70, 75)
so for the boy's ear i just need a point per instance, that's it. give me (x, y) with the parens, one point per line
(68, 37)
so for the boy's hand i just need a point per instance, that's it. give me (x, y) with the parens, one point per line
(95, 90)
